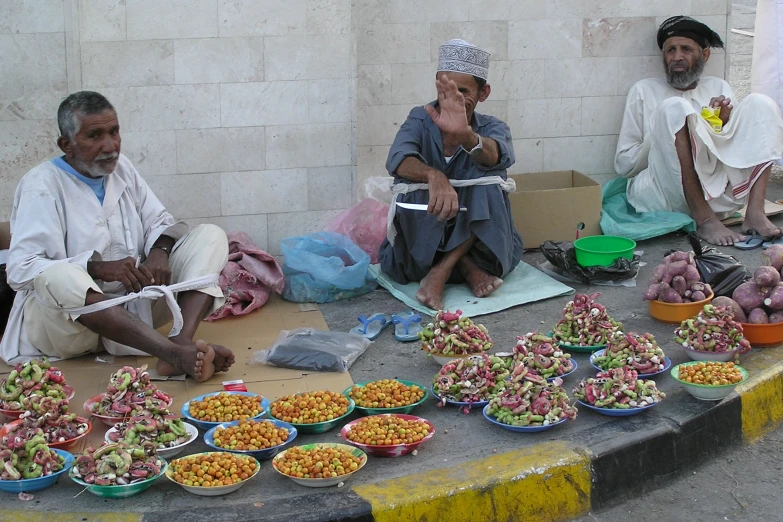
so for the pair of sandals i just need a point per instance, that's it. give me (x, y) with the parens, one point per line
(406, 329)
(755, 240)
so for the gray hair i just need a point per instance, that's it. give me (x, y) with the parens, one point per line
(82, 103)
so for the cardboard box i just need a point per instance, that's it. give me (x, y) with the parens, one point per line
(548, 206)
(5, 235)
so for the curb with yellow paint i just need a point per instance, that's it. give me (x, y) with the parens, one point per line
(37, 516)
(548, 481)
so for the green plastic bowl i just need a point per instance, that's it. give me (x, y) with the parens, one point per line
(120, 491)
(322, 427)
(381, 411)
(603, 250)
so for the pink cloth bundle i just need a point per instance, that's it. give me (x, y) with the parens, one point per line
(249, 277)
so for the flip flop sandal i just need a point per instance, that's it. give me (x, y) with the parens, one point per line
(752, 242)
(371, 328)
(407, 326)
(776, 241)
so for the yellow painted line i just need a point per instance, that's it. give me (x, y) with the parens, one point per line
(46, 516)
(545, 482)
(762, 394)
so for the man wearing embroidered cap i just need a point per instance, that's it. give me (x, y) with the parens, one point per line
(684, 146)
(450, 157)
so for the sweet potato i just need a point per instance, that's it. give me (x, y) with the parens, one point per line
(674, 269)
(679, 284)
(691, 274)
(773, 256)
(775, 299)
(728, 302)
(698, 296)
(749, 296)
(652, 292)
(758, 316)
(658, 273)
(776, 317)
(766, 276)
(679, 256)
(670, 295)
(698, 287)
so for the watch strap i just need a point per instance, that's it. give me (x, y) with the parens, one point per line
(161, 247)
(478, 148)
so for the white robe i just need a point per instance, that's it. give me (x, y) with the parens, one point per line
(767, 71)
(728, 163)
(58, 219)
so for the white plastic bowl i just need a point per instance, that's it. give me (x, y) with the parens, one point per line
(697, 355)
(167, 453)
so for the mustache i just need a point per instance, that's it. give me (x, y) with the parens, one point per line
(109, 156)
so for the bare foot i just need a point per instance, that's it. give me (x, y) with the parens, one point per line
(481, 283)
(714, 232)
(759, 222)
(196, 359)
(224, 357)
(430, 293)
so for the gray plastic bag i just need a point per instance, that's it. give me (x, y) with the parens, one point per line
(316, 350)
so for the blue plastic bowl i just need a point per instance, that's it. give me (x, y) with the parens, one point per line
(550, 379)
(461, 404)
(204, 425)
(37, 484)
(617, 412)
(667, 363)
(264, 454)
(518, 429)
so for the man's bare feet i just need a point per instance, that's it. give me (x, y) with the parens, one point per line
(759, 222)
(196, 359)
(481, 283)
(713, 231)
(224, 357)
(430, 293)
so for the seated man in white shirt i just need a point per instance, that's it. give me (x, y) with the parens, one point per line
(85, 225)
(677, 161)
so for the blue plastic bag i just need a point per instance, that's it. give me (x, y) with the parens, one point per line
(324, 267)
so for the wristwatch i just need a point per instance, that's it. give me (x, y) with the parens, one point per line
(164, 248)
(475, 151)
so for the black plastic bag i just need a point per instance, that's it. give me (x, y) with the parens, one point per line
(7, 296)
(722, 272)
(563, 256)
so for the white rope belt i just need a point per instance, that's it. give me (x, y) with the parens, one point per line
(506, 185)
(149, 293)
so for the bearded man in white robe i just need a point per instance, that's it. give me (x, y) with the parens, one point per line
(85, 226)
(675, 160)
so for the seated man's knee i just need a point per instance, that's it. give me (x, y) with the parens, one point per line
(63, 284)
(761, 102)
(212, 236)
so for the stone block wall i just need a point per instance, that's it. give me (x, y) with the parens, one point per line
(267, 116)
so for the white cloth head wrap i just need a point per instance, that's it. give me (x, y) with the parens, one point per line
(460, 56)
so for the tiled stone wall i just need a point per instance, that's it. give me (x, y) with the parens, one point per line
(265, 116)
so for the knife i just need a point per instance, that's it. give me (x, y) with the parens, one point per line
(417, 206)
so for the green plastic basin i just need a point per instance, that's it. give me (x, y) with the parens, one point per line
(602, 250)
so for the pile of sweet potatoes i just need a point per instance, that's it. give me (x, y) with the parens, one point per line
(677, 280)
(760, 299)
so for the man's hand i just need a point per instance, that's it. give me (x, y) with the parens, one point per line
(123, 270)
(443, 198)
(157, 263)
(725, 107)
(452, 118)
